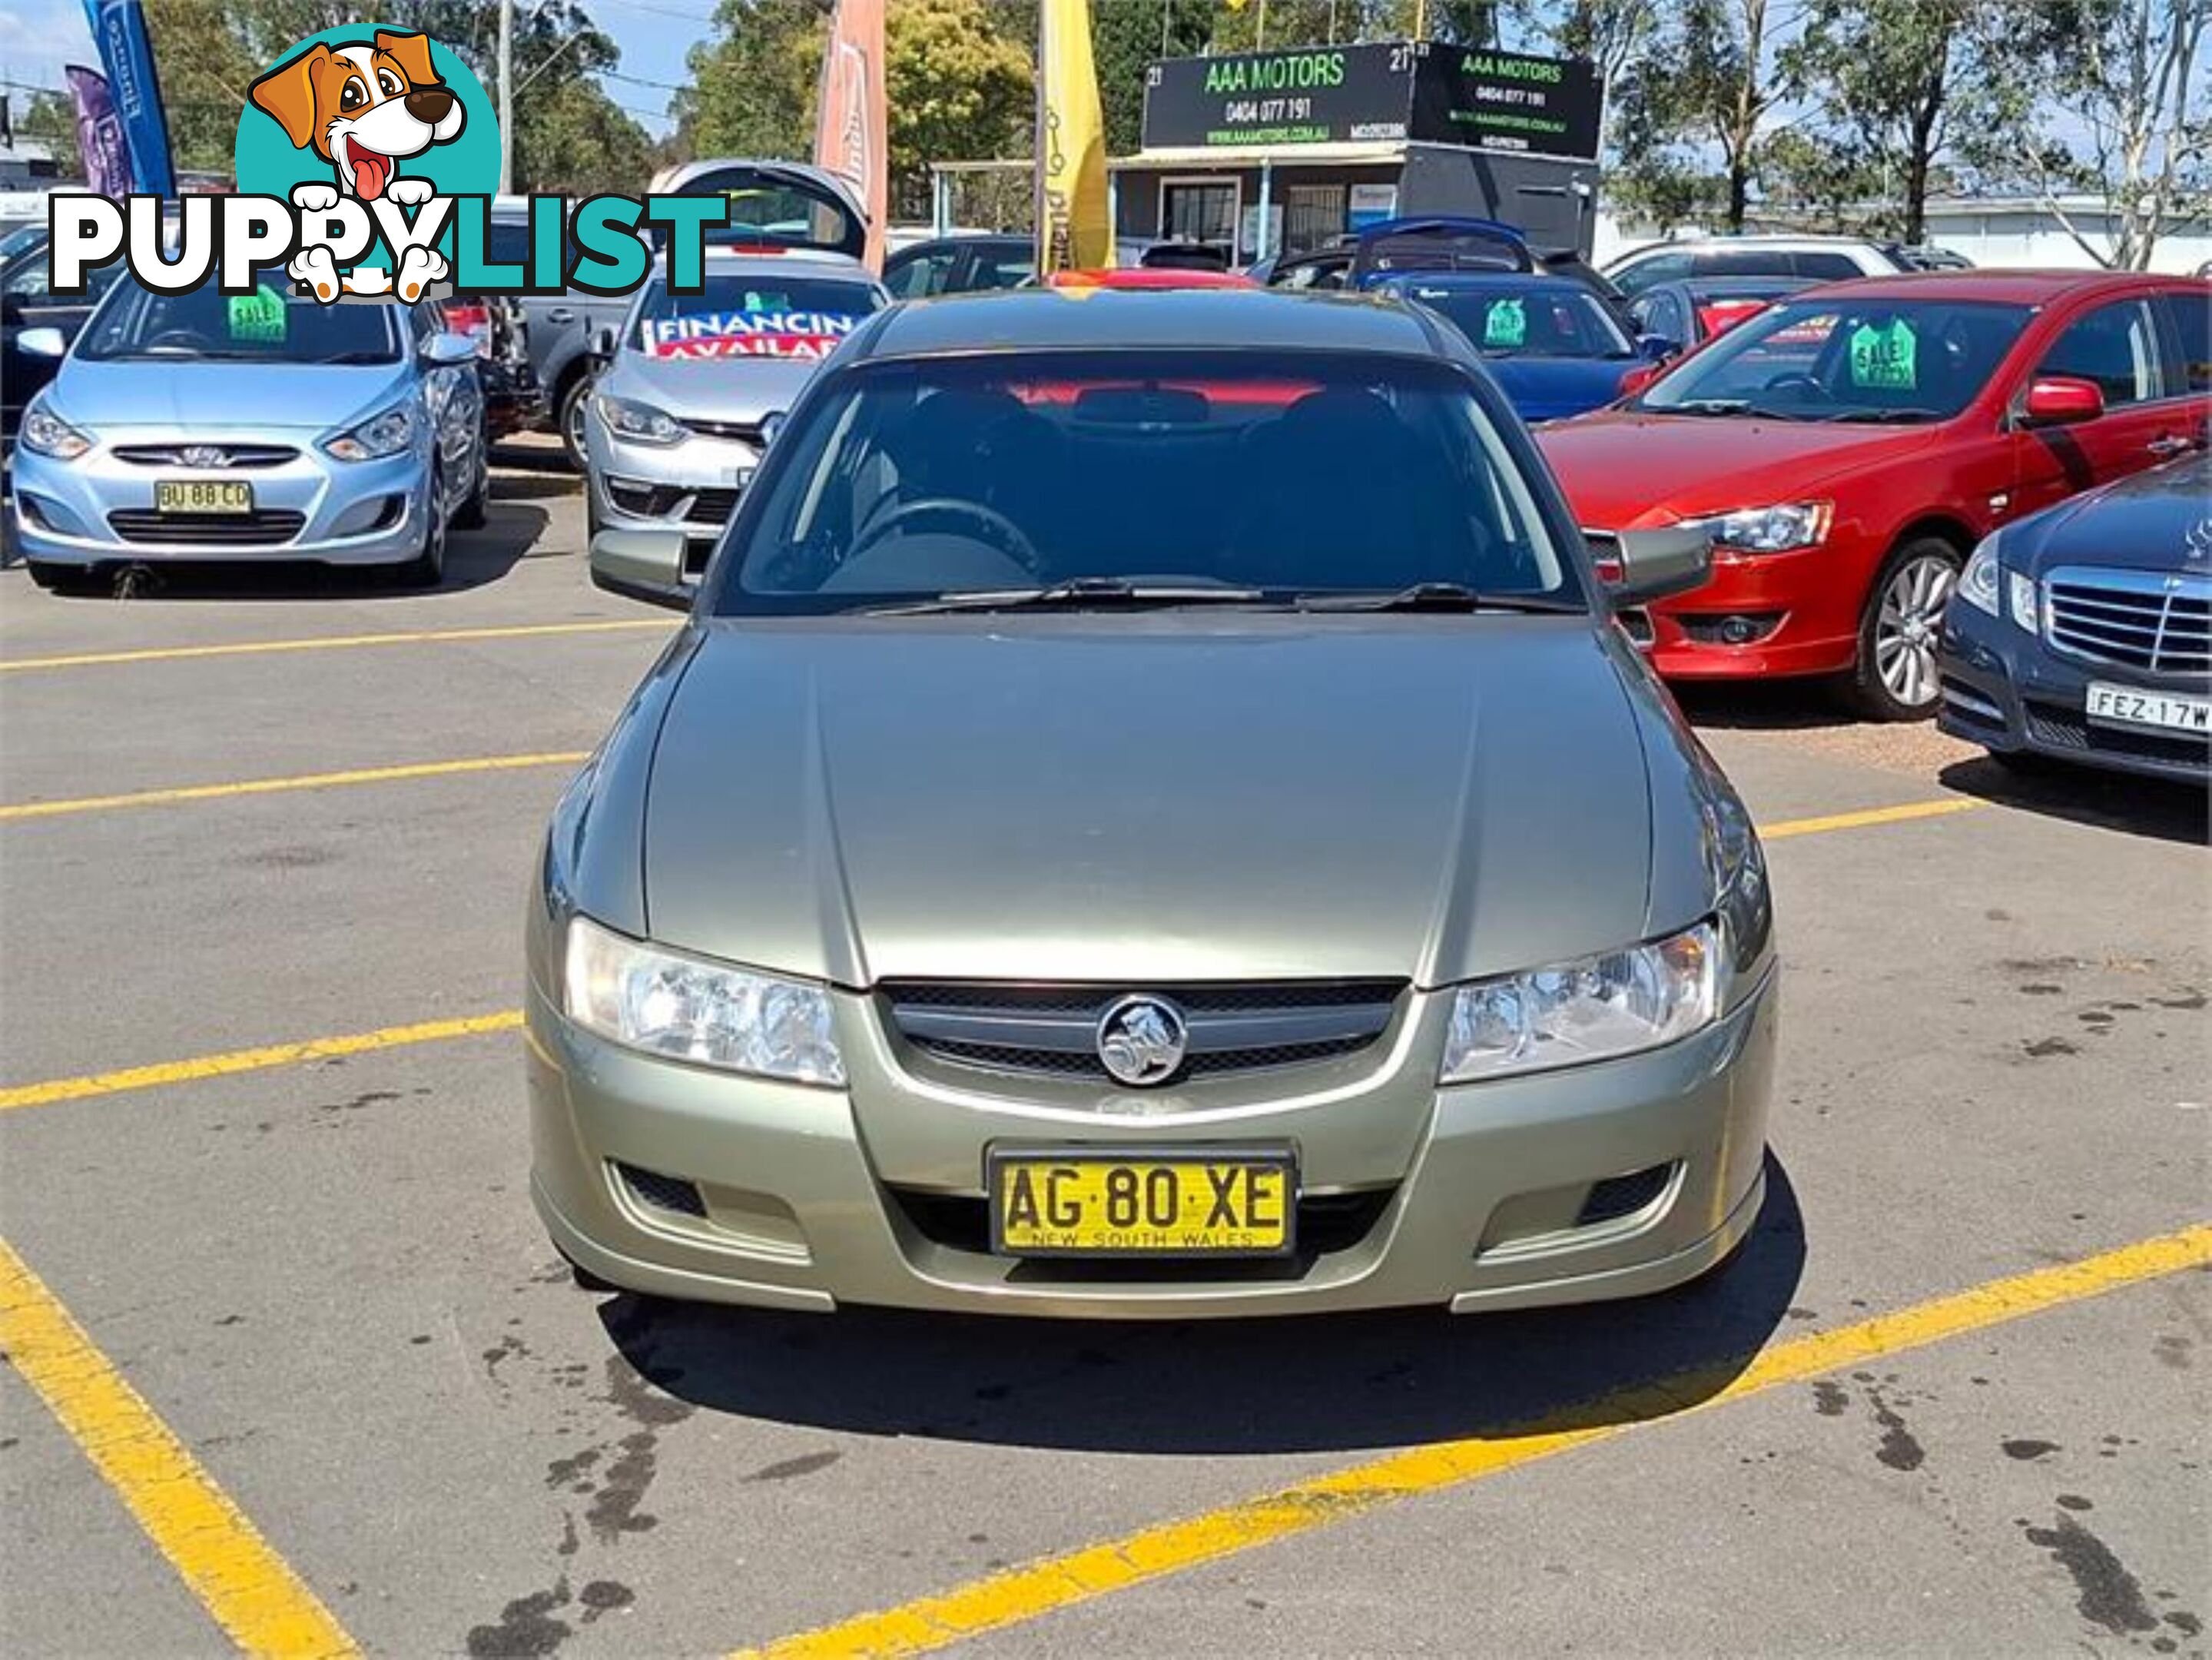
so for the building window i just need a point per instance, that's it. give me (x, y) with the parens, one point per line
(1313, 215)
(1199, 212)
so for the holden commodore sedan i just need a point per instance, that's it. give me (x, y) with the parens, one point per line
(1150, 815)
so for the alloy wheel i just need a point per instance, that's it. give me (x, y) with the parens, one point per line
(1908, 625)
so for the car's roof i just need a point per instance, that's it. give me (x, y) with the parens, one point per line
(1755, 240)
(1082, 319)
(1514, 282)
(1725, 287)
(2018, 287)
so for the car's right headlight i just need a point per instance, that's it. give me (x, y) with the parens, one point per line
(44, 433)
(687, 1009)
(641, 423)
(1981, 585)
(1636, 998)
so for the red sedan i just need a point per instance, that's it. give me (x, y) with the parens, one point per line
(1850, 445)
(1148, 277)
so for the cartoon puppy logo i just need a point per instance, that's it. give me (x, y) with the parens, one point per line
(364, 109)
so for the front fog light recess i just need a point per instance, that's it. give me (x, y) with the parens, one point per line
(1617, 1004)
(687, 1009)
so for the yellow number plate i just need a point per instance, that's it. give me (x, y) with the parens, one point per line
(191, 495)
(1070, 1204)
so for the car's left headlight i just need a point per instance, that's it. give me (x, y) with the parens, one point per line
(687, 1009)
(1989, 585)
(641, 423)
(1636, 998)
(44, 433)
(1780, 529)
(372, 440)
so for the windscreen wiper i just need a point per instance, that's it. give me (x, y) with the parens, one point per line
(1076, 593)
(1433, 596)
(1873, 416)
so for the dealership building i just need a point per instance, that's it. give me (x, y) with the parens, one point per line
(1282, 151)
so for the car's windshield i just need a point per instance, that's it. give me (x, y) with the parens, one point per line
(752, 315)
(1534, 322)
(21, 237)
(1831, 360)
(268, 325)
(1269, 475)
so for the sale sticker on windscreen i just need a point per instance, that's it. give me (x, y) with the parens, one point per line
(770, 332)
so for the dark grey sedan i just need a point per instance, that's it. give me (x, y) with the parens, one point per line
(2084, 634)
(1150, 816)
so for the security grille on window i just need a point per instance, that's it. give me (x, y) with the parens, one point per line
(1312, 214)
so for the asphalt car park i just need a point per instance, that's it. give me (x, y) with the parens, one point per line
(293, 1368)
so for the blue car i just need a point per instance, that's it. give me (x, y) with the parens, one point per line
(1549, 342)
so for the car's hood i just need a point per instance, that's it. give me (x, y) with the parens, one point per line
(2160, 521)
(1548, 388)
(1624, 469)
(1149, 799)
(205, 399)
(734, 389)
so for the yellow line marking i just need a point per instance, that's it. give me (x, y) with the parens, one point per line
(312, 781)
(1940, 808)
(325, 643)
(253, 1594)
(238, 1061)
(1043, 1587)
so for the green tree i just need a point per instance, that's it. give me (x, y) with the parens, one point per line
(50, 118)
(1893, 83)
(959, 89)
(753, 80)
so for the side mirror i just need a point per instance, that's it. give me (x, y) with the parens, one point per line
(1637, 379)
(643, 564)
(448, 350)
(2060, 400)
(602, 348)
(1656, 348)
(42, 343)
(1654, 563)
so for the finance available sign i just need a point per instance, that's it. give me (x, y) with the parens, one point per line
(1386, 92)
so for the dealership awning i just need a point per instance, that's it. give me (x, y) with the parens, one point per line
(1319, 155)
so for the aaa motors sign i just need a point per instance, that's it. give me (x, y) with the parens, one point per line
(810, 335)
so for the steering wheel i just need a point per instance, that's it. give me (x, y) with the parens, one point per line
(1799, 381)
(186, 339)
(1004, 534)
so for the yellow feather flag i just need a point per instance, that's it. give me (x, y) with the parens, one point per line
(1072, 229)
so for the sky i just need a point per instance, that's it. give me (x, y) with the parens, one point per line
(37, 38)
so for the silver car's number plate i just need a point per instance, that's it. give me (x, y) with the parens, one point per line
(202, 496)
(2172, 711)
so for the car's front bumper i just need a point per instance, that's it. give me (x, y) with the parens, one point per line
(2008, 690)
(691, 488)
(1760, 615)
(99, 509)
(1477, 1196)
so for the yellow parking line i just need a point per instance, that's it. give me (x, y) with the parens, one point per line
(312, 781)
(238, 1061)
(253, 1594)
(1940, 808)
(1043, 1587)
(326, 643)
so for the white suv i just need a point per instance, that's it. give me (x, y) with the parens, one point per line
(1822, 259)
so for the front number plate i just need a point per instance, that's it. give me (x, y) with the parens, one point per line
(195, 496)
(2124, 706)
(1071, 1203)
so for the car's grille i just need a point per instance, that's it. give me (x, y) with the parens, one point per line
(1327, 1223)
(234, 455)
(711, 507)
(264, 528)
(670, 1193)
(2059, 728)
(745, 431)
(1052, 1029)
(2137, 619)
